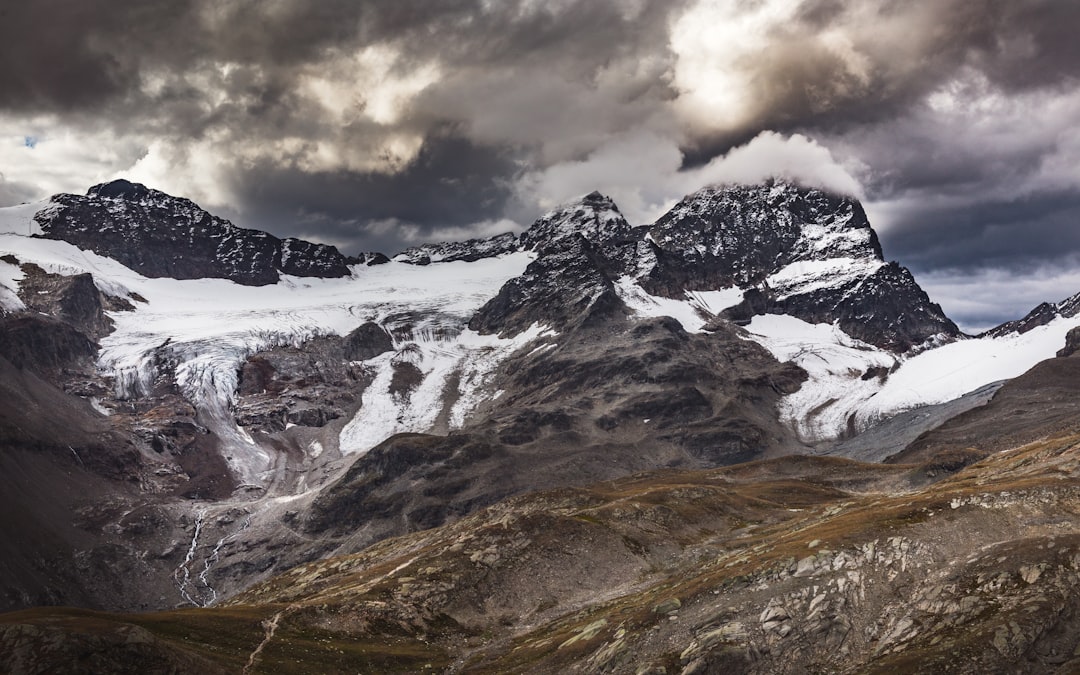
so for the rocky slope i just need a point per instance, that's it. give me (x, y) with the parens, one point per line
(790, 565)
(796, 251)
(469, 250)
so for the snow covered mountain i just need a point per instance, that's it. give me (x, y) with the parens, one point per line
(158, 235)
(252, 390)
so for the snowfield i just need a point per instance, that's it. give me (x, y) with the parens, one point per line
(208, 327)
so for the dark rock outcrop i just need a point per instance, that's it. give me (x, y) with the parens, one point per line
(74, 300)
(796, 251)
(366, 342)
(158, 235)
(792, 250)
(569, 284)
(1072, 343)
(740, 235)
(44, 345)
(594, 217)
(310, 385)
(886, 308)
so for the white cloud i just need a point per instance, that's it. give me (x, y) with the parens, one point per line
(715, 43)
(642, 172)
(62, 159)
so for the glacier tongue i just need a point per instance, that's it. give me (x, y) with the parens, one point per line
(854, 385)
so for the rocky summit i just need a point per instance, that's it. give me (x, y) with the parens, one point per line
(158, 235)
(737, 439)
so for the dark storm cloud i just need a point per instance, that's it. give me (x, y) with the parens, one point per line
(1016, 235)
(67, 55)
(233, 74)
(452, 183)
(61, 55)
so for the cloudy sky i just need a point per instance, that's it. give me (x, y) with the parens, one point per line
(377, 124)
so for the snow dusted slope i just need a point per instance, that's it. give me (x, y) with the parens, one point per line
(468, 250)
(852, 388)
(20, 219)
(594, 217)
(206, 328)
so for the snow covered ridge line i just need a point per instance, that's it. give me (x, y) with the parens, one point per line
(854, 385)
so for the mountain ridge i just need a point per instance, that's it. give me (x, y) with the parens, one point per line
(260, 427)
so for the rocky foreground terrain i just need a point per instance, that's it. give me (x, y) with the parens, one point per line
(722, 442)
(798, 564)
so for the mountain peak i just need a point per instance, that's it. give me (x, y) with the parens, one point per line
(594, 216)
(121, 189)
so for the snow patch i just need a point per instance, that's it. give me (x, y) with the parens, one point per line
(202, 330)
(836, 364)
(472, 356)
(693, 312)
(843, 396)
(20, 219)
(806, 276)
(95, 403)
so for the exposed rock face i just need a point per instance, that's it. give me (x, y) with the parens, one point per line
(797, 251)
(570, 284)
(307, 386)
(886, 308)
(162, 236)
(582, 248)
(468, 250)
(740, 236)
(368, 258)
(43, 344)
(1072, 343)
(75, 300)
(366, 342)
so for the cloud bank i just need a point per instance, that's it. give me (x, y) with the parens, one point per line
(374, 125)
